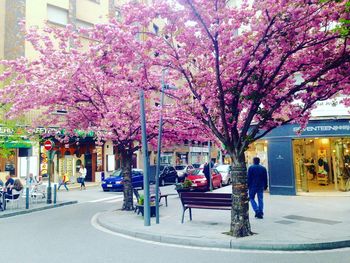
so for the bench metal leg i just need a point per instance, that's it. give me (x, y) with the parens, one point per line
(190, 214)
(166, 201)
(183, 215)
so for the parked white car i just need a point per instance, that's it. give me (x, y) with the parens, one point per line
(225, 170)
(183, 171)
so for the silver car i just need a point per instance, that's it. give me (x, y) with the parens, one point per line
(225, 170)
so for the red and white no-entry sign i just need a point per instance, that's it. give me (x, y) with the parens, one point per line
(48, 145)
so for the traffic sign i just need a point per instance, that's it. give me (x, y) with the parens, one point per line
(48, 145)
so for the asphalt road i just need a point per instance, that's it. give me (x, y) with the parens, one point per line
(68, 234)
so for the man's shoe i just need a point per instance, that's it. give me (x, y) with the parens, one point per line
(259, 215)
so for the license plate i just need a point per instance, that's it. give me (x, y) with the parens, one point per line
(109, 185)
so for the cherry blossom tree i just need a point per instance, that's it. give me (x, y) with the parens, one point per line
(97, 84)
(246, 68)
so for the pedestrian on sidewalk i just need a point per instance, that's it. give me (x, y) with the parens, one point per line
(82, 176)
(31, 181)
(63, 182)
(206, 172)
(257, 183)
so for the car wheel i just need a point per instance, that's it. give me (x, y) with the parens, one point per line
(105, 190)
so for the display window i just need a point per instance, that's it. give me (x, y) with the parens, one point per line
(257, 149)
(322, 164)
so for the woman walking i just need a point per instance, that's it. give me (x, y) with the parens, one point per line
(83, 173)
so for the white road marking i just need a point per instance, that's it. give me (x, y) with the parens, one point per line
(113, 201)
(243, 251)
(106, 199)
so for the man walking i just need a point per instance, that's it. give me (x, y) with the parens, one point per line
(257, 183)
(206, 172)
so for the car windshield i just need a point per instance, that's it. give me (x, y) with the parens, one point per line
(197, 172)
(180, 167)
(116, 173)
(223, 168)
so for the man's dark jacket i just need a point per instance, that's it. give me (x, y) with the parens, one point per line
(257, 177)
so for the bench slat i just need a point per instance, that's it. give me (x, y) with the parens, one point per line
(206, 195)
(209, 207)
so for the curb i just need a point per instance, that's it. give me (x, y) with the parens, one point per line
(229, 244)
(23, 212)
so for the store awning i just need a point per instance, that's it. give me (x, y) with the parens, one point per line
(17, 144)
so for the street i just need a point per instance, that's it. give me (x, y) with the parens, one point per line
(69, 234)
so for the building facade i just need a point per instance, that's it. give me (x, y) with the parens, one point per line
(39, 13)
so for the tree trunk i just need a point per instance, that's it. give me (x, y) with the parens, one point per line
(240, 225)
(128, 203)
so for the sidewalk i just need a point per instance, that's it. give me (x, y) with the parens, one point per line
(42, 205)
(33, 208)
(290, 223)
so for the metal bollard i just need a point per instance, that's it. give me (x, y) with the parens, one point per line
(27, 197)
(54, 194)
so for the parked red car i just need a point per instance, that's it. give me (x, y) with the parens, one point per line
(199, 181)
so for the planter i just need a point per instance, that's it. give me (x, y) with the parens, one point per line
(141, 210)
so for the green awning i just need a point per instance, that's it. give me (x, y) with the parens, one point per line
(17, 144)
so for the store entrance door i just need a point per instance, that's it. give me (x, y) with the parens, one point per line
(88, 166)
(322, 164)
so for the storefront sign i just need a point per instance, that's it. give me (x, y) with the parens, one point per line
(6, 131)
(312, 128)
(199, 149)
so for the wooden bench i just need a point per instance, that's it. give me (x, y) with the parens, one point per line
(216, 201)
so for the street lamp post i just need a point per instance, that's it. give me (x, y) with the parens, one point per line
(209, 163)
(159, 147)
(146, 205)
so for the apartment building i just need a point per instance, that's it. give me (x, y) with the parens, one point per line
(39, 13)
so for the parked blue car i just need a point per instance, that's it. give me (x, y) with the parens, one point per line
(116, 183)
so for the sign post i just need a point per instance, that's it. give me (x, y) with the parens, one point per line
(48, 146)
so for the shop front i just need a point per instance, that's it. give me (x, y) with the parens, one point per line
(18, 160)
(317, 160)
(70, 156)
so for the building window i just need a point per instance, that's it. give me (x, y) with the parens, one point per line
(57, 15)
(83, 24)
(155, 28)
(118, 14)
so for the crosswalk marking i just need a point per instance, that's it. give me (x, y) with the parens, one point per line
(112, 199)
